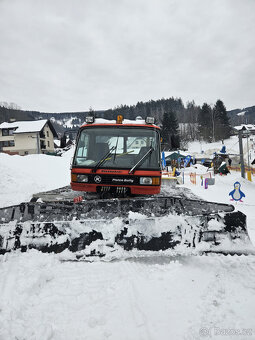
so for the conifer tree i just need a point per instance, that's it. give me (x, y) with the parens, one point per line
(205, 123)
(222, 125)
(170, 131)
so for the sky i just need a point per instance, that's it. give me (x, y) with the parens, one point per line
(70, 55)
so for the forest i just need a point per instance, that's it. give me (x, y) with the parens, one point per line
(180, 122)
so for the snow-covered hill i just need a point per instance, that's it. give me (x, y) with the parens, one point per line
(202, 149)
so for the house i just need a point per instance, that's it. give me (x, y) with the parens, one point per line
(27, 137)
(246, 127)
(137, 143)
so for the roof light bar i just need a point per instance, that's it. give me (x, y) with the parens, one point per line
(150, 120)
(90, 119)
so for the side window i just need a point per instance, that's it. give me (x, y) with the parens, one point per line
(47, 133)
(83, 146)
(48, 143)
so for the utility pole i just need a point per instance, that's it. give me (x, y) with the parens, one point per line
(248, 151)
(240, 135)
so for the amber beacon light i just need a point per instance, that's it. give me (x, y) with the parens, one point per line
(119, 119)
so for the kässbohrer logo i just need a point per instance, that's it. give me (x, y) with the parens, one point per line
(98, 179)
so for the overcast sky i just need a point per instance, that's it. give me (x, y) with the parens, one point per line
(68, 55)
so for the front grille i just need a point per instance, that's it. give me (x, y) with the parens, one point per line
(113, 179)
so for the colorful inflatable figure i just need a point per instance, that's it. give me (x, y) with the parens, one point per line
(237, 194)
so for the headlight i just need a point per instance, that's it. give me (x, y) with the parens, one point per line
(150, 120)
(89, 119)
(82, 178)
(150, 180)
(146, 180)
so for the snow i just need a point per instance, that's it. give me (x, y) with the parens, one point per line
(250, 127)
(44, 297)
(22, 176)
(57, 142)
(241, 113)
(25, 126)
(206, 150)
(154, 296)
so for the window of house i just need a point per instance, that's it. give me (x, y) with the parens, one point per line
(26, 153)
(48, 144)
(47, 133)
(7, 143)
(7, 132)
(42, 144)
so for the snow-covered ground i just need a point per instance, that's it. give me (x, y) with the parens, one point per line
(202, 149)
(43, 296)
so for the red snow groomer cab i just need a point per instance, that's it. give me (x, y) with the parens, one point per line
(119, 157)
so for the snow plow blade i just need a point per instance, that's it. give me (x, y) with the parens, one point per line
(98, 227)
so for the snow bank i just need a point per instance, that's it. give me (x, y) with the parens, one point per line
(22, 176)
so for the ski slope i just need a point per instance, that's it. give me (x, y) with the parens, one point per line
(48, 296)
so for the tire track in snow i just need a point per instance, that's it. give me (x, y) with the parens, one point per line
(227, 284)
(139, 322)
(8, 280)
(84, 298)
(21, 283)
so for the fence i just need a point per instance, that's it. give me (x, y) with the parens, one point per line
(238, 168)
(193, 177)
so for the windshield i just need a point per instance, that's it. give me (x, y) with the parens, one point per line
(117, 147)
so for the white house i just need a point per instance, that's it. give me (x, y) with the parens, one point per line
(137, 143)
(27, 137)
(246, 127)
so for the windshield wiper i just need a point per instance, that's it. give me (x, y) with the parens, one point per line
(102, 160)
(141, 160)
(115, 149)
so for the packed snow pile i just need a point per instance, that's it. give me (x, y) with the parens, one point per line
(197, 168)
(22, 176)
